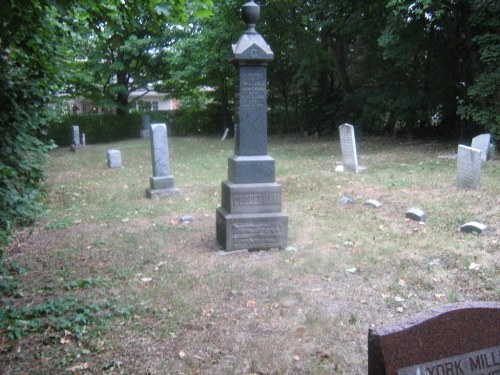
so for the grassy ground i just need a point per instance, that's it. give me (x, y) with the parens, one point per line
(111, 282)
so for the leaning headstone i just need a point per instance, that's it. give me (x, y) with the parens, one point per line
(473, 227)
(457, 339)
(415, 214)
(145, 126)
(250, 215)
(482, 143)
(114, 159)
(468, 167)
(348, 147)
(75, 135)
(162, 182)
(226, 132)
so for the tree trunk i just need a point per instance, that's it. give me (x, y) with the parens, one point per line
(337, 48)
(122, 96)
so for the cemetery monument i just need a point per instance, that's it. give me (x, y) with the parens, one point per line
(250, 216)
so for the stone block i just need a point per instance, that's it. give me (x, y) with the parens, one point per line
(114, 159)
(251, 169)
(251, 198)
(164, 182)
(251, 231)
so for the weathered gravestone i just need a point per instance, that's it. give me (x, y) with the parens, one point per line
(145, 126)
(468, 167)
(250, 215)
(348, 147)
(482, 143)
(162, 182)
(114, 159)
(457, 339)
(75, 139)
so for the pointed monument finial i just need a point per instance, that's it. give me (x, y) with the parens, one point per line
(251, 14)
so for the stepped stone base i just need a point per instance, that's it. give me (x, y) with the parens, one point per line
(251, 231)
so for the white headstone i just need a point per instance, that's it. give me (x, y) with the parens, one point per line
(348, 146)
(84, 142)
(482, 143)
(468, 167)
(76, 135)
(162, 183)
(225, 134)
(114, 159)
(159, 150)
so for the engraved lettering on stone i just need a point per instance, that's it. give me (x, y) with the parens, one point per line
(257, 199)
(251, 234)
(481, 362)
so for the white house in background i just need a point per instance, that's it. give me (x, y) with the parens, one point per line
(143, 100)
(140, 101)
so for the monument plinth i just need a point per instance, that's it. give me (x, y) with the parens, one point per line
(250, 216)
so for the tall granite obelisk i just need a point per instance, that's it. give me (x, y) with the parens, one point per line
(250, 216)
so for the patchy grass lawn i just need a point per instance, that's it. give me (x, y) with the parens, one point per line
(110, 282)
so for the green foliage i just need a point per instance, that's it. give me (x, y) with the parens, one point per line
(30, 70)
(56, 315)
(83, 284)
(97, 128)
(123, 47)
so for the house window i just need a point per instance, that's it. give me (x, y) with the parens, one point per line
(155, 106)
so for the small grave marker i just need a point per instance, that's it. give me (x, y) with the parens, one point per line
(457, 339)
(226, 132)
(373, 203)
(415, 214)
(473, 227)
(468, 167)
(346, 200)
(348, 146)
(114, 159)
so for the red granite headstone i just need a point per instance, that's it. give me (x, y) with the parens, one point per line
(456, 339)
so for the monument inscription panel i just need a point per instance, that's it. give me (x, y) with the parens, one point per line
(485, 361)
(252, 136)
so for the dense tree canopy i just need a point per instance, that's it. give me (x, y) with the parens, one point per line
(399, 67)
